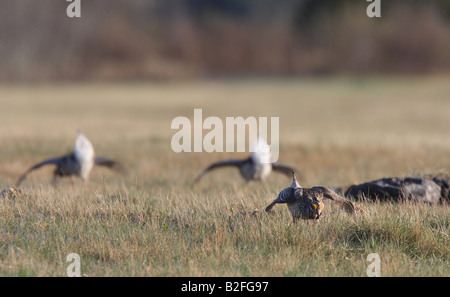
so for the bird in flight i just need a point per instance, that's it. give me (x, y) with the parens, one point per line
(307, 203)
(77, 163)
(257, 167)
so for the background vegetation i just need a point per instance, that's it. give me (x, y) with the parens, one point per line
(173, 39)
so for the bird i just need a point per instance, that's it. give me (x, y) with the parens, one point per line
(307, 203)
(257, 167)
(79, 162)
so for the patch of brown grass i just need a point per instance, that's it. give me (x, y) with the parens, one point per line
(154, 222)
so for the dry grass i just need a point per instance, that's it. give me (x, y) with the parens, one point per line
(153, 222)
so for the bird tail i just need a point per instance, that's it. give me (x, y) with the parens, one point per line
(294, 184)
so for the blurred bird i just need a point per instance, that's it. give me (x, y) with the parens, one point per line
(255, 168)
(307, 203)
(79, 162)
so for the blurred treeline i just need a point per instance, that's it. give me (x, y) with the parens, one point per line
(164, 39)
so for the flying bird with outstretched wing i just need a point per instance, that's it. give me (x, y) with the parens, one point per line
(77, 163)
(257, 167)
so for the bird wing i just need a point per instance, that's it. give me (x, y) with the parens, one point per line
(286, 196)
(56, 161)
(280, 167)
(110, 163)
(286, 169)
(236, 163)
(341, 201)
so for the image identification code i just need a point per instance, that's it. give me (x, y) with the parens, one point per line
(229, 287)
(246, 286)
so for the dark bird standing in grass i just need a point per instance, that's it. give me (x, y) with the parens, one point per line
(78, 163)
(257, 167)
(307, 203)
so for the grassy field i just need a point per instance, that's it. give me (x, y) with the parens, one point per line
(154, 222)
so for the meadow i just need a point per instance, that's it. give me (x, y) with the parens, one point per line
(154, 222)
